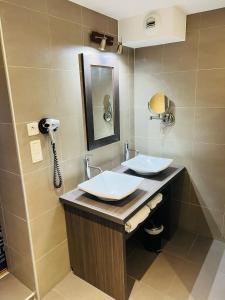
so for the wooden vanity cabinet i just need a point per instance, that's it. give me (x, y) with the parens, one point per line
(96, 231)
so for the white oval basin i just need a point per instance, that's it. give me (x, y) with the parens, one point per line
(147, 165)
(111, 186)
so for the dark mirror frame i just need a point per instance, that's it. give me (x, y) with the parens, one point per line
(101, 60)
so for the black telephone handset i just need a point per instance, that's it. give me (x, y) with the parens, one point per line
(49, 126)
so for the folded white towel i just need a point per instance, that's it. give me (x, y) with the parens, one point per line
(139, 217)
(155, 201)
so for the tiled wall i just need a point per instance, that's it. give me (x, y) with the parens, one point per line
(13, 217)
(192, 75)
(42, 40)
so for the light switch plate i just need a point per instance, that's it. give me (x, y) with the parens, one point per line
(32, 129)
(36, 151)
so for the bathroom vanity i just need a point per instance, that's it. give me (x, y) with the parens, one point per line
(96, 230)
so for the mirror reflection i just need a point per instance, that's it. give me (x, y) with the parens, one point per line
(159, 104)
(102, 101)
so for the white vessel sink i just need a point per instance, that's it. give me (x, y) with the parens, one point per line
(147, 165)
(111, 186)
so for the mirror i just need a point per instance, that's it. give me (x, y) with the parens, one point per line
(101, 99)
(159, 104)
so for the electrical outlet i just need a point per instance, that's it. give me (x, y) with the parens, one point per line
(32, 129)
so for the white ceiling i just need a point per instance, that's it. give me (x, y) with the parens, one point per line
(120, 9)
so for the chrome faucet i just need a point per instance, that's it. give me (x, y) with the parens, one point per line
(127, 151)
(88, 167)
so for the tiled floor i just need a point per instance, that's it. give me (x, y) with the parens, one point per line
(189, 268)
(12, 289)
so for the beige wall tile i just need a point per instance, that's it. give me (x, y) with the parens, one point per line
(48, 230)
(32, 94)
(213, 18)
(73, 173)
(147, 85)
(95, 21)
(126, 61)
(17, 233)
(8, 157)
(67, 92)
(41, 195)
(180, 150)
(209, 175)
(183, 127)
(104, 156)
(148, 146)
(181, 56)
(211, 48)
(113, 26)
(39, 5)
(71, 134)
(5, 112)
(64, 9)
(210, 88)
(148, 59)
(180, 87)
(210, 124)
(143, 126)
(27, 32)
(57, 264)
(22, 267)
(193, 21)
(12, 193)
(66, 43)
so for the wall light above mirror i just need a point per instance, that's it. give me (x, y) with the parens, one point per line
(159, 105)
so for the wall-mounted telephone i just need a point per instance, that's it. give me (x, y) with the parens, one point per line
(49, 126)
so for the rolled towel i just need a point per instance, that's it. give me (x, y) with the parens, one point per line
(155, 201)
(139, 217)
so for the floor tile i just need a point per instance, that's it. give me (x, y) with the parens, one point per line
(12, 289)
(191, 268)
(199, 250)
(180, 243)
(139, 262)
(141, 291)
(74, 288)
(162, 272)
(184, 280)
(53, 295)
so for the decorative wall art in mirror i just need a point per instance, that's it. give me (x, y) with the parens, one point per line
(159, 106)
(101, 99)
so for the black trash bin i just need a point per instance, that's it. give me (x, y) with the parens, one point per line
(152, 237)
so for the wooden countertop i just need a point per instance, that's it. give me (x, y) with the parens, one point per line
(120, 211)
